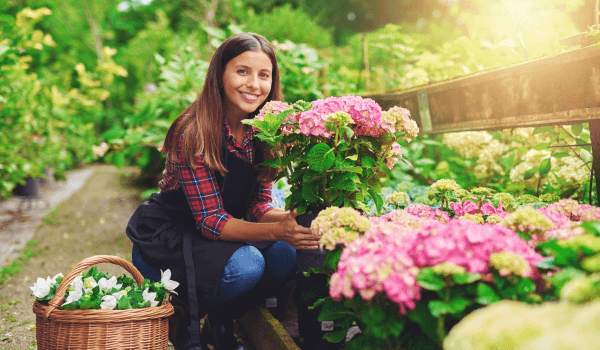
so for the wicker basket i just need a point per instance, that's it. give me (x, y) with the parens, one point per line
(140, 329)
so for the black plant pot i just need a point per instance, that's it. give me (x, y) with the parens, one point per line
(31, 189)
(307, 291)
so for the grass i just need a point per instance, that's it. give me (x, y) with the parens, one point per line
(17, 265)
(50, 217)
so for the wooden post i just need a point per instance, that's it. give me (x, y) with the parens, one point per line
(592, 9)
(366, 54)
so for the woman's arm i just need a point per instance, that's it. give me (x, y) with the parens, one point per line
(286, 230)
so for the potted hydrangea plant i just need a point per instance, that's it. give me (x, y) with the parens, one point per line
(331, 152)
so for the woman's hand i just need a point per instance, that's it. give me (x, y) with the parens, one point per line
(297, 236)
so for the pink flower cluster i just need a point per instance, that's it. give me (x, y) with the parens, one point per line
(575, 211)
(365, 113)
(467, 244)
(390, 255)
(378, 263)
(275, 107)
(469, 207)
(425, 211)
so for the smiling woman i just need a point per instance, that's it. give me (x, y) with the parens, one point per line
(213, 224)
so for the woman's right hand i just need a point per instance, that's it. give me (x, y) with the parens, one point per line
(297, 236)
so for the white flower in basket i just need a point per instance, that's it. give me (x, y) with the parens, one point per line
(41, 288)
(165, 278)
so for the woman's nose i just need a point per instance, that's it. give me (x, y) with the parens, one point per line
(252, 82)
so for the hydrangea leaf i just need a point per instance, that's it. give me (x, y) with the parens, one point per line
(545, 167)
(429, 280)
(466, 278)
(438, 308)
(320, 157)
(486, 294)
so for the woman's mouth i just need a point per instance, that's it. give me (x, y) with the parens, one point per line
(249, 97)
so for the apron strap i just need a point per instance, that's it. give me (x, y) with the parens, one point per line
(191, 281)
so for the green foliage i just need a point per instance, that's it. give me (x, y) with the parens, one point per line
(276, 26)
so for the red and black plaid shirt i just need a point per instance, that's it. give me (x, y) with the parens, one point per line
(202, 191)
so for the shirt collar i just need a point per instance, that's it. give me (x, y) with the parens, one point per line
(251, 131)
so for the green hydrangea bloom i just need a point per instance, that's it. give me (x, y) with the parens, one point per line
(448, 269)
(397, 198)
(588, 241)
(509, 204)
(482, 191)
(445, 185)
(340, 117)
(527, 199)
(476, 218)
(493, 219)
(462, 193)
(508, 263)
(579, 290)
(549, 198)
(527, 220)
(514, 325)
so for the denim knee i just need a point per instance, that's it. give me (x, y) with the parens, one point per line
(281, 261)
(246, 267)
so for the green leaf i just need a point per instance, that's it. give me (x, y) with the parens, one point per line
(377, 199)
(320, 157)
(586, 155)
(332, 258)
(161, 60)
(486, 294)
(577, 129)
(429, 279)
(367, 161)
(118, 159)
(332, 310)
(422, 316)
(547, 263)
(438, 308)
(543, 129)
(466, 278)
(529, 173)
(343, 181)
(337, 336)
(310, 194)
(525, 286)
(562, 256)
(541, 146)
(458, 303)
(545, 167)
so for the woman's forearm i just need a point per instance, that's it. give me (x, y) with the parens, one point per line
(243, 231)
(274, 215)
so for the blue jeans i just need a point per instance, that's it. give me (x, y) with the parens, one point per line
(247, 268)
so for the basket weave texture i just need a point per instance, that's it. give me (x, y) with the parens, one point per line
(140, 329)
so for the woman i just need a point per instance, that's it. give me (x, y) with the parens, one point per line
(212, 181)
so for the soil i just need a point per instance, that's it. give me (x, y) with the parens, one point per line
(91, 222)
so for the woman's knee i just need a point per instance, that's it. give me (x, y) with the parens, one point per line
(246, 263)
(281, 257)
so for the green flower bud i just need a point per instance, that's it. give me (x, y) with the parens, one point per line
(445, 185)
(476, 218)
(591, 263)
(447, 269)
(549, 198)
(482, 191)
(510, 263)
(89, 282)
(579, 290)
(509, 204)
(493, 219)
(526, 199)
(70, 289)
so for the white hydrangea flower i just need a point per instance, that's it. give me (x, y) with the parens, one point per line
(41, 288)
(108, 285)
(149, 297)
(109, 302)
(77, 283)
(73, 296)
(165, 278)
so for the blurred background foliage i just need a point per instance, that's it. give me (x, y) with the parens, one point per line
(84, 80)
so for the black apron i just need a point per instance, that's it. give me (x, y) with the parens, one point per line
(165, 230)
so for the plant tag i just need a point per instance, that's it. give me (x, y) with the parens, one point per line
(271, 303)
(327, 326)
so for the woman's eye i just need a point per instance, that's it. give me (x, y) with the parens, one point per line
(242, 71)
(265, 75)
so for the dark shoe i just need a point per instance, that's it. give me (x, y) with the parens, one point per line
(220, 331)
(180, 329)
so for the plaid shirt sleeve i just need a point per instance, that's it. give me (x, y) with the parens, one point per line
(260, 203)
(203, 195)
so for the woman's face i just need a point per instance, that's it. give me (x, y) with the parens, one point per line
(247, 83)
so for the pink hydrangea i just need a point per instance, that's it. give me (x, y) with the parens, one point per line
(423, 210)
(468, 207)
(467, 244)
(568, 207)
(289, 124)
(377, 263)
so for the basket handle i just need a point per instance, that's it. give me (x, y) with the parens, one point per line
(82, 265)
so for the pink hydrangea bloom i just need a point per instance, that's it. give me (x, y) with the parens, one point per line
(488, 209)
(467, 244)
(468, 207)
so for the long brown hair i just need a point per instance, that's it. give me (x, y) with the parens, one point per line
(202, 122)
